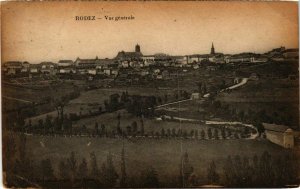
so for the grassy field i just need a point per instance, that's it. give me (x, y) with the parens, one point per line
(277, 97)
(163, 154)
(14, 97)
(99, 95)
(93, 99)
(265, 90)
(192, 109)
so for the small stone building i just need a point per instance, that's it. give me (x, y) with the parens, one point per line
(279, 134)
(195, 96)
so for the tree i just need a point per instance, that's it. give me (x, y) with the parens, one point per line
(255, 162)
(202, 134)
(119, 130)
(199, 87)
(82, 169)
(149, 178)
(166, 98)
(123, 182)
(72, 165)
(9, 148)
(237, 168)
(123, 97)
(109, 173)
(23, 165)
(106, 105)
(212, 175)
(265, 167)
(128, 129)
(142, 127)
(223, 133)
(63, 170)
(280, 171)
(229, 133)
(159, 100)
(59, 104)
(46, 169)
(102, 129)
(246, 131)
(196, 134)
(179, 132)
(163, 133)
(96, 128)
(291, 168)
(119, 117)
(204, 88)
(114, 102)
(168, 132)
(246, 172)
(241, 115)
(134, 126)
(216, 134)
(229, 172)
(186, 169)
(48, 122)
(236, 136)
(67, 124)
(260, 128)
(93, 166)
(209, 133)
(41, 125)
(173, 132)
(192, 133)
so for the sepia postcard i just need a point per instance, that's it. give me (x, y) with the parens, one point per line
(150, 94)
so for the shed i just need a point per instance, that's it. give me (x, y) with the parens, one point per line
(279, 134)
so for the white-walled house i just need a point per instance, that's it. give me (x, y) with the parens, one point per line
(279, 134)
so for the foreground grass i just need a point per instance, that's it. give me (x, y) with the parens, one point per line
(163, 154)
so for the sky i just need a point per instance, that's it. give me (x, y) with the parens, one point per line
(48, 31)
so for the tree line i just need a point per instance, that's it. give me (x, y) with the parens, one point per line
(236, 171)
(135, 129)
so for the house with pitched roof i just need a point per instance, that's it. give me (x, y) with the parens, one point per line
(280, 134)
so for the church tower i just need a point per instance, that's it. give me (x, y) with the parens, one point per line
(137, 48)
(212, 50)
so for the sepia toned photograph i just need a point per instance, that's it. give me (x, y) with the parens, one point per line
(150, 94)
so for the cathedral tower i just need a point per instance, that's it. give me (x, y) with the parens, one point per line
(137, 48)
(212, 51)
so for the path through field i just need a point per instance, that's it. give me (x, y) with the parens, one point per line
(18, 99)
(207, 122)
(243, 82)
(173, 103)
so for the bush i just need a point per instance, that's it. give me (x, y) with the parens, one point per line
(74, 117)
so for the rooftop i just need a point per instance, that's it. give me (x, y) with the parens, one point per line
(275, 127)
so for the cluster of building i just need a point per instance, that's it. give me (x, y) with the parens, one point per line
(135, 59)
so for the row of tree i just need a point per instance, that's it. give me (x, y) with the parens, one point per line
(135, 130)
(263, 171)
(237, 171)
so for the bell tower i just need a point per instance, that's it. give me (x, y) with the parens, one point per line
(212, 50)
(137, 48)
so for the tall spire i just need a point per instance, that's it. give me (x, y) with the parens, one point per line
(212, 51)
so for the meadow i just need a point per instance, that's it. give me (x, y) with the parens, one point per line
(163, 154)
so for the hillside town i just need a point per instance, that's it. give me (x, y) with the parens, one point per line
(158, 66)
(150, 94)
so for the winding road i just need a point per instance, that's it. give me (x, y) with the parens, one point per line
(243, 82)
(207, 122)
